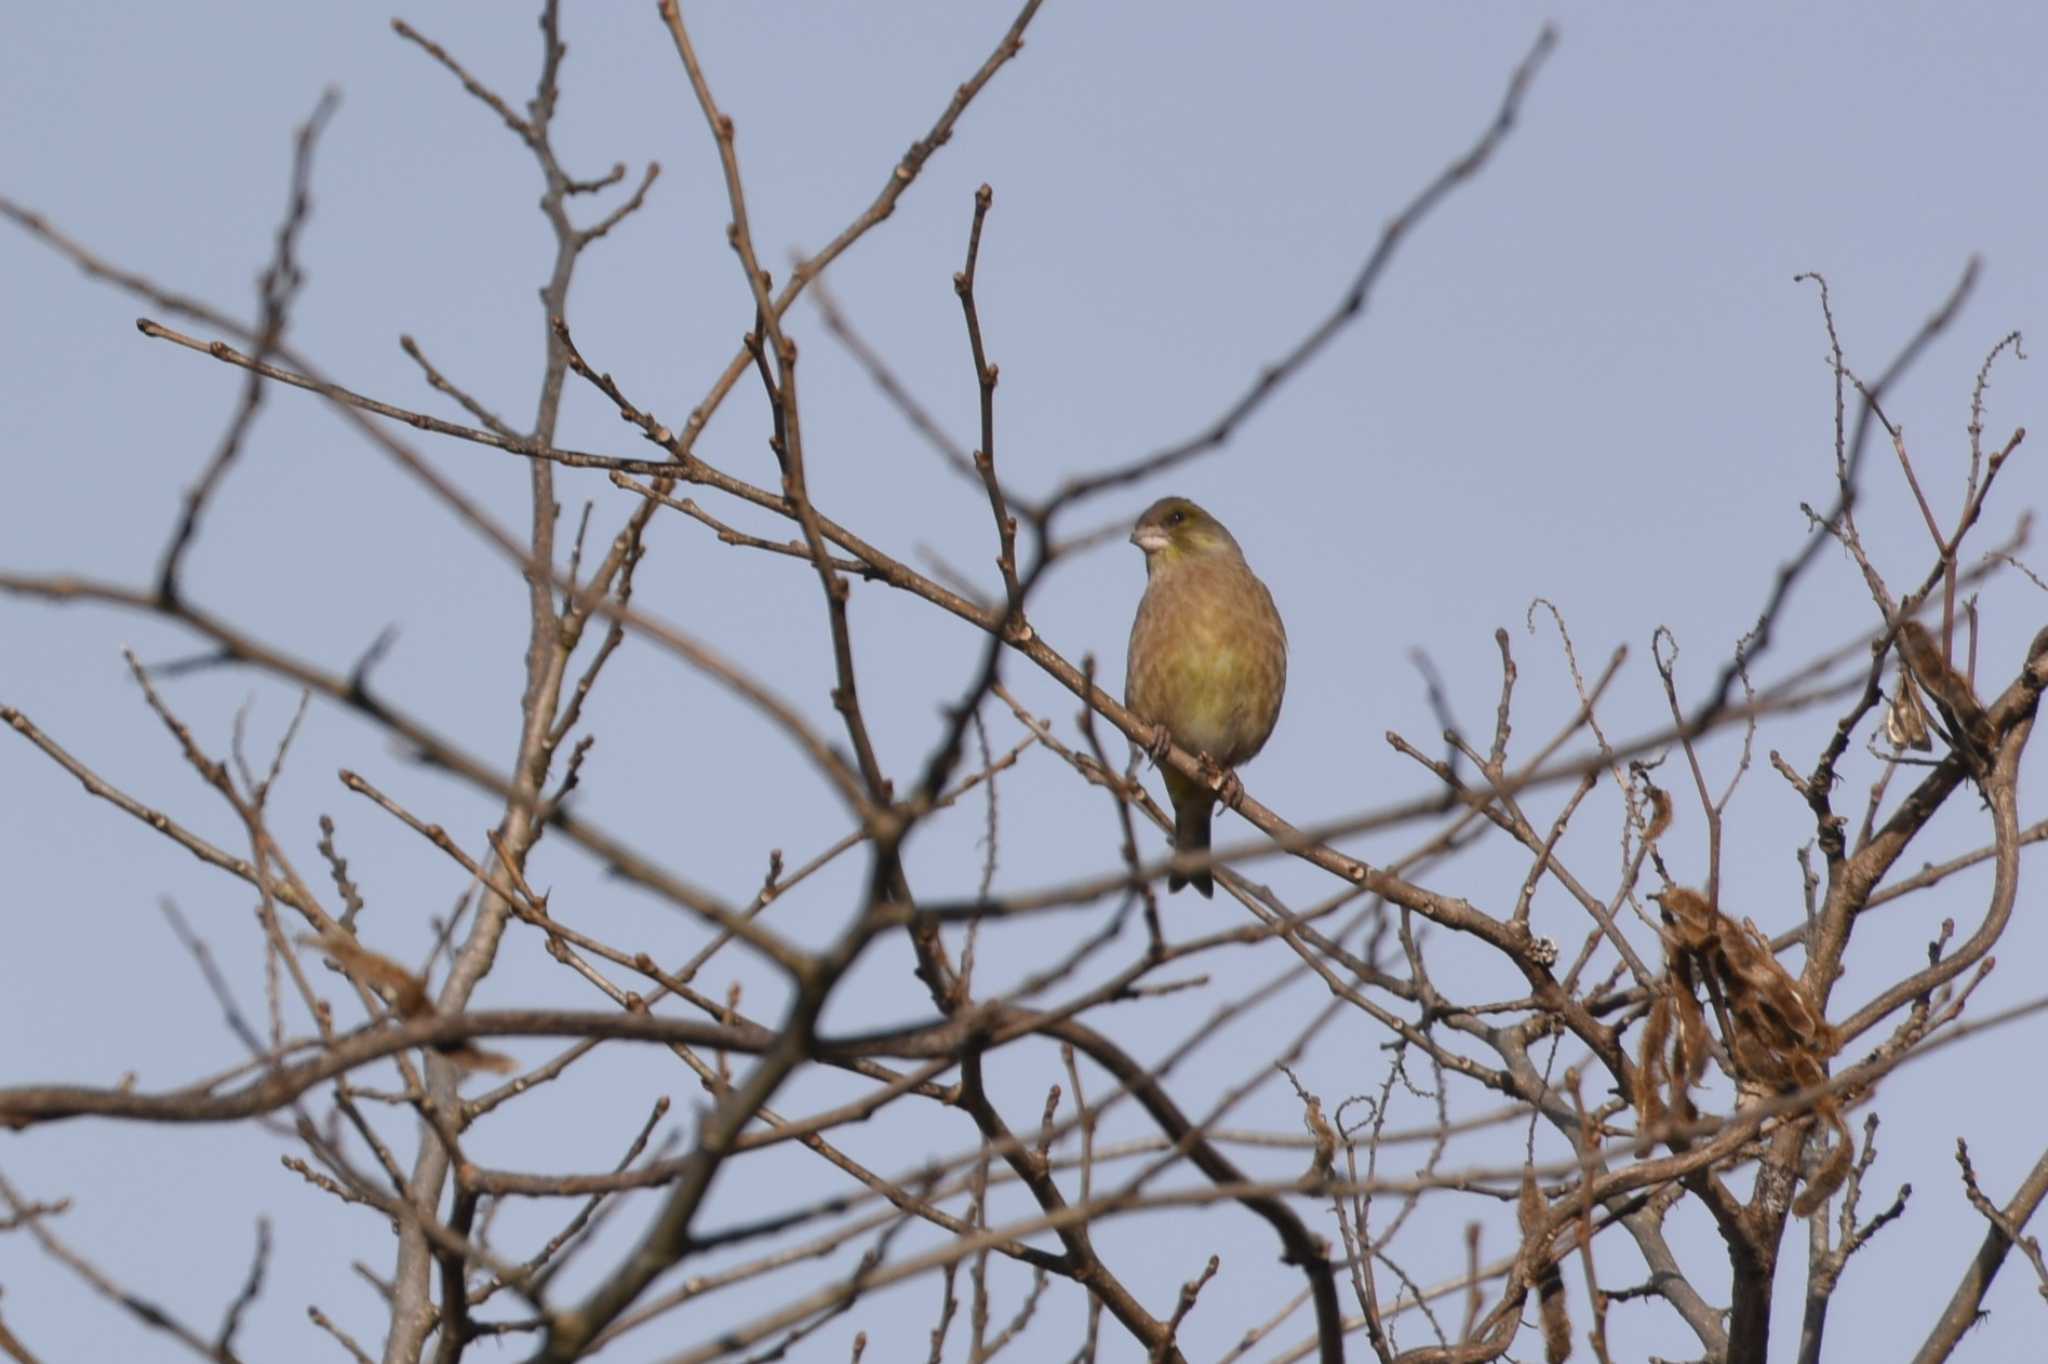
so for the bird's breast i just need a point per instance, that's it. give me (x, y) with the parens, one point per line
(1209, 660)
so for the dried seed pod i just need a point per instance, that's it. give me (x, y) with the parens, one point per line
(1905, 716)
(470, 1057)
(1660, 811)
(1947, 688)
(1653, 1075)
(390, 981)
(1689, 917)
(1821, 1185)
(406, 993)
(1542, 1272)
(1777, 1035)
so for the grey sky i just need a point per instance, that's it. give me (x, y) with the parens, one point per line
(1590, 376)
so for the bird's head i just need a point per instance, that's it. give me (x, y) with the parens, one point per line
(1174, 529)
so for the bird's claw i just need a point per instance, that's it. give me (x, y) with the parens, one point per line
(1223, 781)
(1160, 744)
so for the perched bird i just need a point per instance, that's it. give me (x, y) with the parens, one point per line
(1208, 661)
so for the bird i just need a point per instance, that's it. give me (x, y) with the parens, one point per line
(1208, 663)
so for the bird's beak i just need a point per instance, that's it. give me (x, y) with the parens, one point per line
(1151, 539)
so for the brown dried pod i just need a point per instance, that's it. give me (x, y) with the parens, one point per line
(1652, 1073)
(1660, 811)
(1664, 1079)
(1777, 1036)
(469, 1056)
(1821, 1185)
(1689, 1051)
(1542, 1272)
(407, 995)
(1690, 919)
(1947, 688)
(1529, 1205)
(1781, 1038)
(393, 983)
(1905, 716)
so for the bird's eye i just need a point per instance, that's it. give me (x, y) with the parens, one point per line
(1175, 518)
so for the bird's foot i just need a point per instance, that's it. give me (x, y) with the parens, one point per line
(1160, 743)
(1223, 781)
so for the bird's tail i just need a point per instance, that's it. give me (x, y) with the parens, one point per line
(1191, 836)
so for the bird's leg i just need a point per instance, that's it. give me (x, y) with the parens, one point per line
(1223, 781)
(1160, 743)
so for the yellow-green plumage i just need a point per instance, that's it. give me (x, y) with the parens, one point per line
(1208, 657)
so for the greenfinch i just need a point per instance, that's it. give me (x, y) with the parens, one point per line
(1208, 661)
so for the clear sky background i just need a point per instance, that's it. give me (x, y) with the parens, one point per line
(1590, 376)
